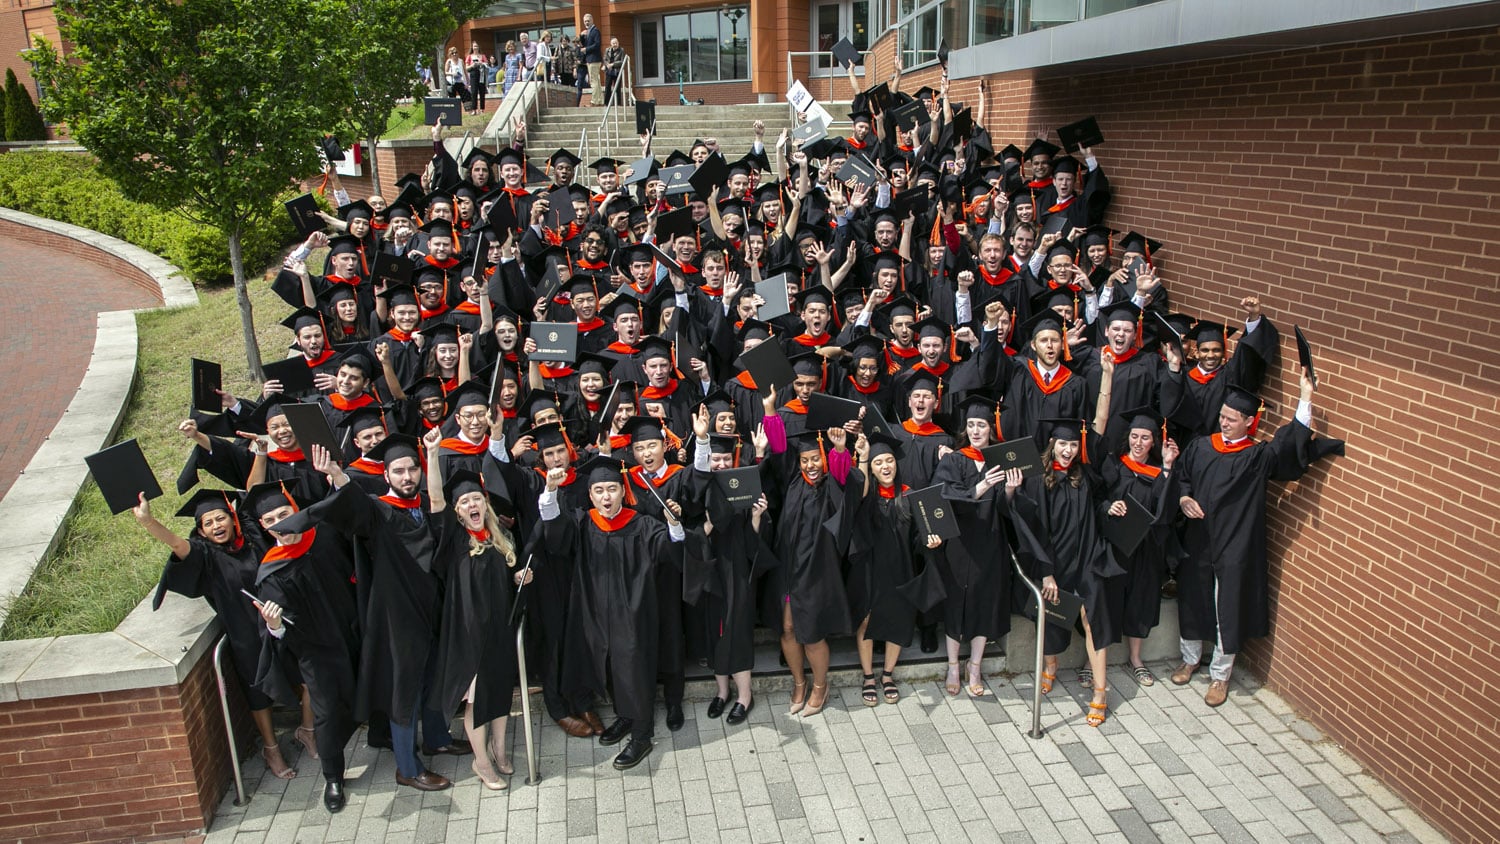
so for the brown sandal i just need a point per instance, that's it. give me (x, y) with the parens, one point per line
(1098, 712)
(976, 680)
(1047, 681)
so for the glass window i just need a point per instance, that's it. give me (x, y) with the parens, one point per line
(734, 43)
(650, 51)
(993, 21)
(675, 52)
(705, 45)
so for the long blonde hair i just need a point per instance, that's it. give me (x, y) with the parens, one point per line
(500, 538)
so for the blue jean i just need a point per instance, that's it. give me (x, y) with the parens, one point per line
(434, 727)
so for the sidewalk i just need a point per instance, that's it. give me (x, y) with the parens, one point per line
(932, 768)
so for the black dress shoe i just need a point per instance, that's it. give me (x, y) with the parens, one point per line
(716, 707)
(333, 795)
(633, 754)
(738, 713)
(929, 639)
(675, 718)
(456, 747)
(615, 732)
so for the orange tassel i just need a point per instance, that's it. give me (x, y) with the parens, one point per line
(1140, 329)
(998, 436)
(1083, 442)
(1255, 423)
(323, 188)
(289, 499)
(625, 479)
(1147, 245)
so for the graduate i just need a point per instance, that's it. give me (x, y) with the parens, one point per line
(1135, 598)
(1191, 395)
(739, 553)
(976, 579)
(1222, 590)
(309, 611)
(615, 555)
(477, 663)
(881, 552)
(215, 562)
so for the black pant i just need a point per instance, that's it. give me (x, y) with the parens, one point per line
(477, 88)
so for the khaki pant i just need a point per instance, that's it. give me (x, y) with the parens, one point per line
(596, 94)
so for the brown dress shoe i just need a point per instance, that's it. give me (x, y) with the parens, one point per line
(425, 781)
(1183, 673)
(1218, 692)
(575, 726)
(595, 725)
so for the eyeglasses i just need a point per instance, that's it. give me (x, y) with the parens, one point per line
(472, 416)
(593, 240)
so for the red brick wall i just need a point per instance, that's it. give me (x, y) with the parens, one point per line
(115, 266)
(1352, 187)
(137, 765)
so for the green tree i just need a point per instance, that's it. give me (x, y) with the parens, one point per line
(22, 120)
(207, 108)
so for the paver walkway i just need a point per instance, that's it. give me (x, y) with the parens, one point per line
(50, 300)
(1165, 767)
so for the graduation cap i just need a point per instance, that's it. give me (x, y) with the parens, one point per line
(924, 591)
(845, 53)
(817, 294)
(1146, 418)
(356, 210)
(397, 446)
(942, 52)
(675, 224)
(468, 394)
(206, 501)
(713, 172)
(563, 155)
(122, 473)
(1084, 133)
(1304, 355)
(304, 213)
(208, 379)
(370, 416)
(768, 364)
(476, 154)
(1065, 164)
(331, 149)
(645, 116)
(606, 165)
(600, 469)
(262, 498)
(1046, 320)
(1041, 146)
(1125, 311)
(1011, 151)
(1134, 241)
(643, 429)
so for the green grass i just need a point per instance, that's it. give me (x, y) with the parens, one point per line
(406, 123)
(105, 564)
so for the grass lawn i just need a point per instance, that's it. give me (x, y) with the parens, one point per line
(105, 564)
(406, 122)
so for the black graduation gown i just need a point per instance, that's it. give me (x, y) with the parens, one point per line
(1136, 595)
(1134, 384)
(614, 601)
(1028, 401)
(476, 641)
(402, 593)
(1229, 542)
(812, 536)
(1193, 403)
(1068, 523)
(881, 558)
(216, 573)
(975, 566)
(322, 640)
(687, 488)
(735, 558)
(231, 462)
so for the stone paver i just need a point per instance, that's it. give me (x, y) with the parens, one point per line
(1165, 767)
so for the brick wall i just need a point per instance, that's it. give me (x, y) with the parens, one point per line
(1352, 187)
(138, 765)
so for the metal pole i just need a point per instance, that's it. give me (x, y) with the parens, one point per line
(532, 778)
(1041, 619)
(234, 750)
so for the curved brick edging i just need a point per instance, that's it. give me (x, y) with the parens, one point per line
(105, 736)
(34, 508)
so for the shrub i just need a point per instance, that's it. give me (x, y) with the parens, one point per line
(69, 187)
(23, 122)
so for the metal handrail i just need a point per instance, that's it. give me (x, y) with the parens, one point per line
(234, 750)
(1041, 619)
(532, 777)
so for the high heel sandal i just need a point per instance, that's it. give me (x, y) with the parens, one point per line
(868, 693)
(1048, 678)
(799, 698)
(976, 680)
(811, 710)
(1098, 712)
(953, 686)
(888, 685)
(309, 741)
(273, 751)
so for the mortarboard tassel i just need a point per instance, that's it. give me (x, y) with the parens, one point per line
(999, 438)
(1255, 422)
(289, 498)
(625, 479)
(737, 445)
(1140, 328)
(1083, 442)
(1146, 243)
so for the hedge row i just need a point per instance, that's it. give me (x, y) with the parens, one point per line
(69, 187)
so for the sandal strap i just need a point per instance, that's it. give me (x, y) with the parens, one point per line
(1094, 705)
